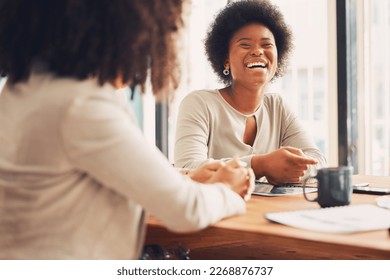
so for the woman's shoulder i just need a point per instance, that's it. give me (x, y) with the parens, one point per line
(204, 96)
(72, 95)
(90, 91)
(67, 87)
(202, 93)
(276, 104)
(274, 100)
(273, 97)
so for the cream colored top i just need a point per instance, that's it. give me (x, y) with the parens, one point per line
(209, 127)
(76, 174)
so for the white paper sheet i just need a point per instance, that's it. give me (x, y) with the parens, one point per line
(344, 219)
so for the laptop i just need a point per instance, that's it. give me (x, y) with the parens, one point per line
(266, 189)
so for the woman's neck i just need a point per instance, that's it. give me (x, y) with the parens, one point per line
(243, 99)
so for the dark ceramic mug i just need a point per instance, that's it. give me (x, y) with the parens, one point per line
(334, 186)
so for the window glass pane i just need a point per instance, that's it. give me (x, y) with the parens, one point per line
(303, 112)
(304, 86)
(377, 26)
(199, 70)
(318, 94)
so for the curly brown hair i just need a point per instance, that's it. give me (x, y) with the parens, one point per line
(105, 39)
(238, 14)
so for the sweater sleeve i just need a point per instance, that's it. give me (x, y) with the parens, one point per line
(100, 139)
(192, 133)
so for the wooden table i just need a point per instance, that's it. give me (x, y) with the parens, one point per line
(251, 236)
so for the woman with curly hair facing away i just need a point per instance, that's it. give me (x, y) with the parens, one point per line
(76, 174)
(248, 45)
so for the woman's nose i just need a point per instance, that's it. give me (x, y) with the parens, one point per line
(257, 52)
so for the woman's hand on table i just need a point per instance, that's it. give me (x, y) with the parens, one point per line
(285, 165)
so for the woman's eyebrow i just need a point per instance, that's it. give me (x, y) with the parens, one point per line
(267, 39)
(243, 39)
(250, 39)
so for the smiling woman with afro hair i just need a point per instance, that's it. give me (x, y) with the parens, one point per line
(237, 15)
(248, 44)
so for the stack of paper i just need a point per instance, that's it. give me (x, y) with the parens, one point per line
(344, 219)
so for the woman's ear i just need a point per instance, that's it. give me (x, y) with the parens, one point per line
(226, 63)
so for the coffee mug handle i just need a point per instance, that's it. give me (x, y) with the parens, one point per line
(304, 189)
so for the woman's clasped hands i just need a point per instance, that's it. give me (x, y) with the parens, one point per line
(233, 173)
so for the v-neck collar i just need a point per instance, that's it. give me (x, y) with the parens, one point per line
(235, 110)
